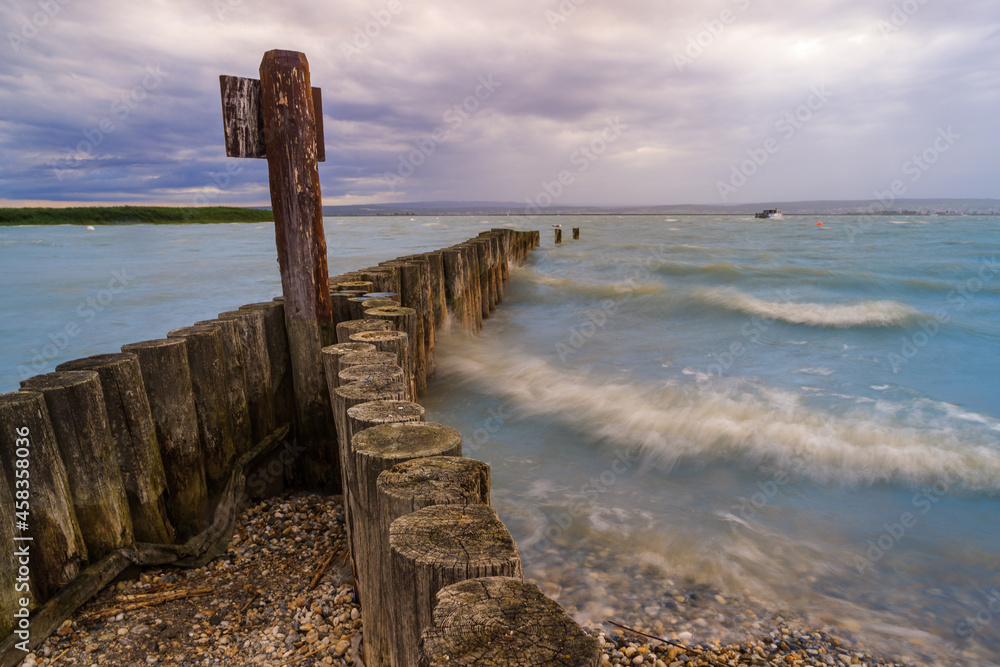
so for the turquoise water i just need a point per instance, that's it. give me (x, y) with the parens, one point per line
(808, 414)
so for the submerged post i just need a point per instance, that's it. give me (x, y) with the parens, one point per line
(280, 117)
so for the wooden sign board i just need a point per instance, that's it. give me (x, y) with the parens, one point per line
(243, 118)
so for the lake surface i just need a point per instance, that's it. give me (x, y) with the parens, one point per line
(805, 414)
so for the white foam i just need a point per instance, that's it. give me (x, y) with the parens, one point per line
(717, 420)
(866, 313)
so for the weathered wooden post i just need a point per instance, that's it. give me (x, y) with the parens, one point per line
(432, 548)
(558, 236)
(58, 550)
(206, 361)
(134, 438)
(75, 402)
(576, 233)
(280, 117)
(375, 450)
(166, 376)
(8, 569)
(503, 621)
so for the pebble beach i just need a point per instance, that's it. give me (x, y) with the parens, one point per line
(282, 595)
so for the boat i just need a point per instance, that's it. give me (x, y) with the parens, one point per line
(769, 213)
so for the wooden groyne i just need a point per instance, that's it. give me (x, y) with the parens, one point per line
(140, 457)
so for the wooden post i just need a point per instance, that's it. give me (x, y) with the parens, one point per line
(341, 304)
(279, 356)
(346, 329)
(503, 621)
(405, 319)
(290, 126)
(576, 233)
(411, 296)
(360, 417)
(372, 373)
(472, 286)
(8, 565)
(167, 379)
(259, 391)
(236, 381)
(438, 297)
(206, 361)
(58, 550)
(396, 342)
(433, 548)
(134, 440)
(558, 236)
(367, 358)
(375, 450)
(76, 407)
(485, 284)
(363, 286)
(455, 291)
(332, 354)
(426, 313)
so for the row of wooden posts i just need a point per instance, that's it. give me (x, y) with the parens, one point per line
(141, 458)
(576, 235)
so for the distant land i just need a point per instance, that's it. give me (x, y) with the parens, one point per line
(131, 215)
(897, 207)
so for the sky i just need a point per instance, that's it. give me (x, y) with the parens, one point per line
(538, 102)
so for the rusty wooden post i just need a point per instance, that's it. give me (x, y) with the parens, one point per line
(285, 125)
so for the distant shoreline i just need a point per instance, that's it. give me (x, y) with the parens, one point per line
(170, 215)
(131, 215)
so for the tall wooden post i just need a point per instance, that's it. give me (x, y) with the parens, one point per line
(280, 118)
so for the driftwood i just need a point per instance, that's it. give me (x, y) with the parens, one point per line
(134, 439)
(195, 553)
(167, 379)
(503, 622)
(76, 408)
(375, 450)
(433, 548)
(58, 551)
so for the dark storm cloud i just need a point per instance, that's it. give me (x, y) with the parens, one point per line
(110, 101)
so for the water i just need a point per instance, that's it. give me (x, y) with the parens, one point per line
(804, 414)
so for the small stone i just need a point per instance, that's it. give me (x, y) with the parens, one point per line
(341, 647)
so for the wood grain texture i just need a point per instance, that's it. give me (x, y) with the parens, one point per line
(206, 360)
(347, 328)
(234, 359)
(374, 451)
(134, 440)
(58, 551)
(435, 547)
(166, 377)
(79, 420)
(503, 622)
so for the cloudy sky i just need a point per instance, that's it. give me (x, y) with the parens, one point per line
(584, 101)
